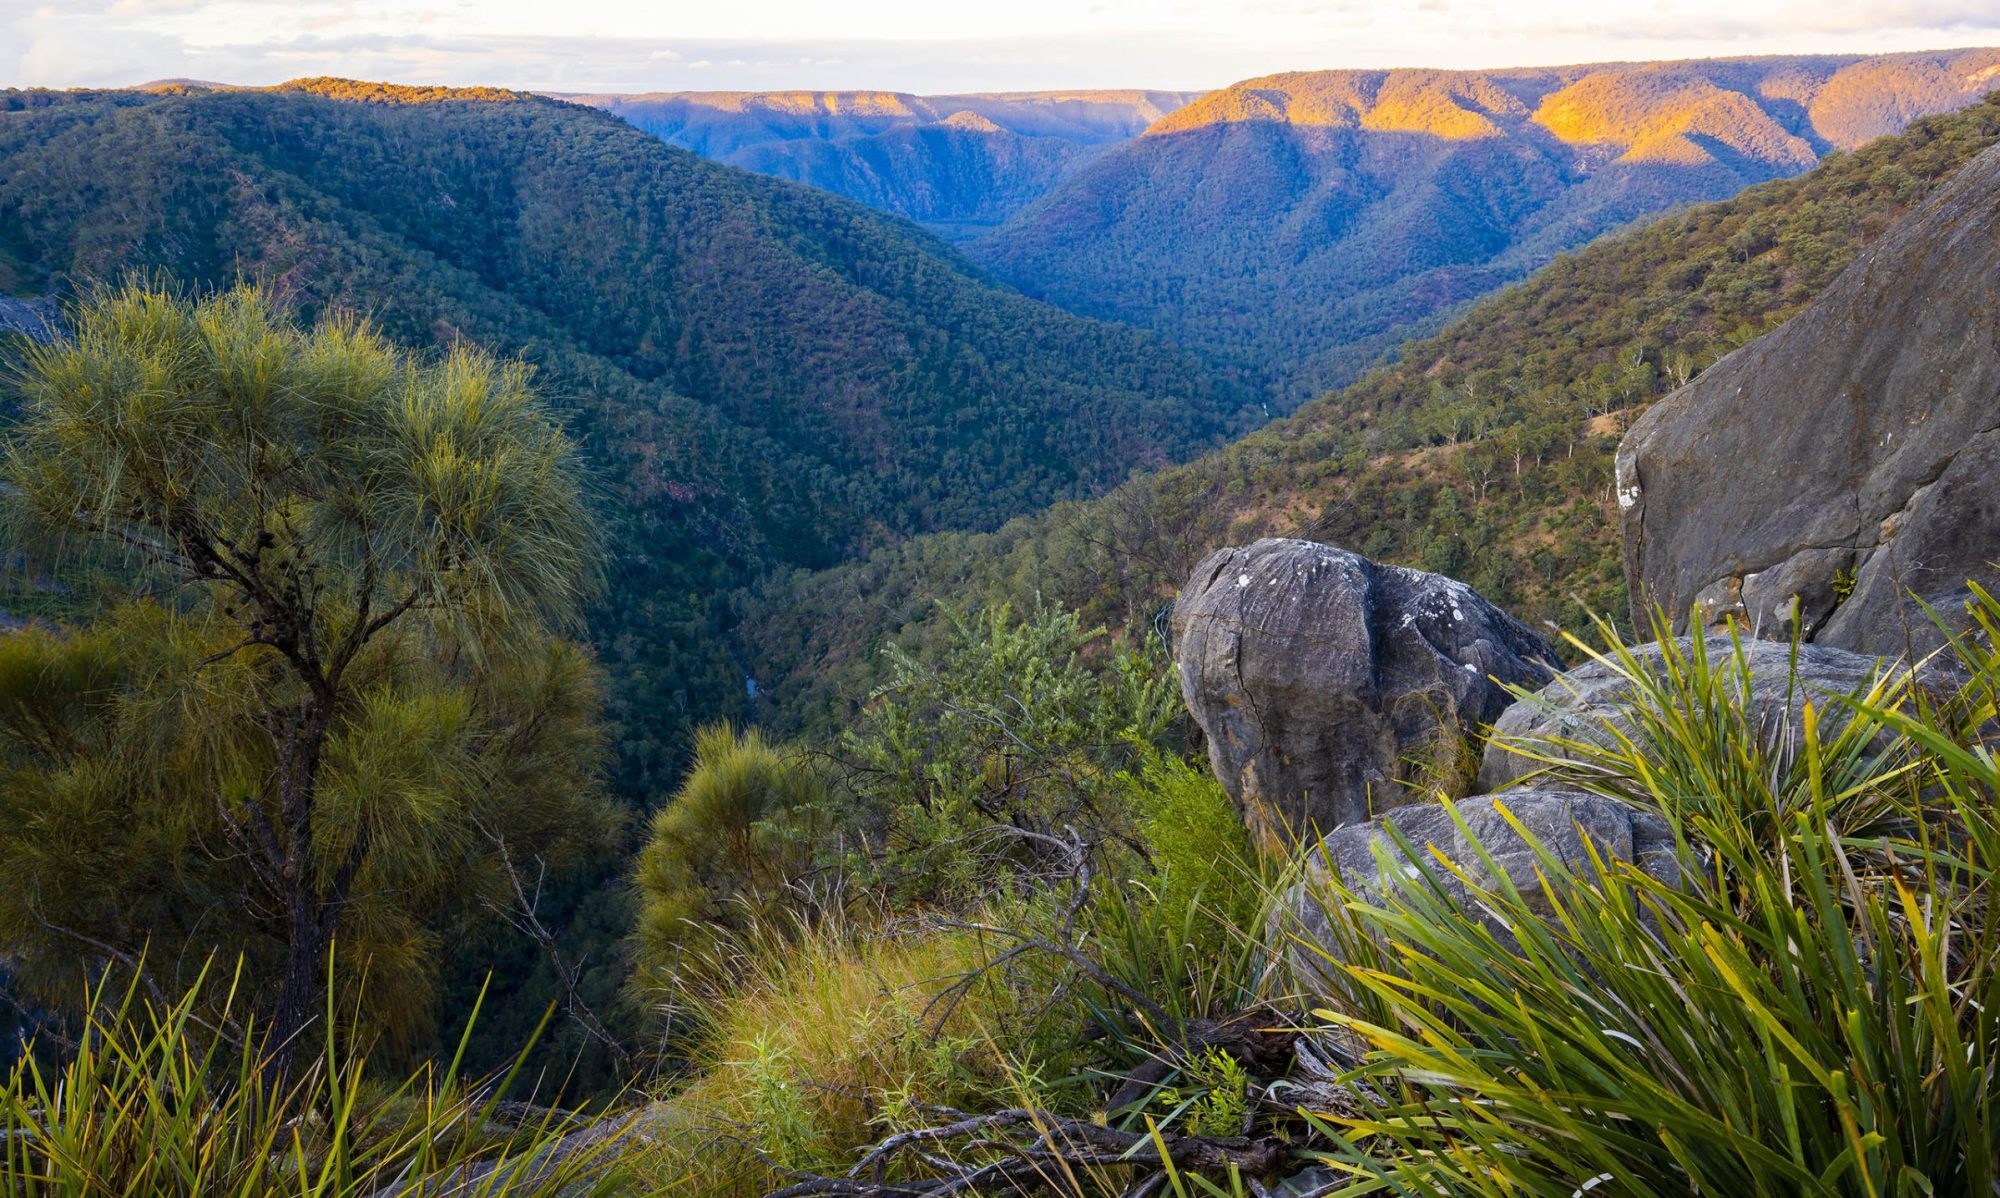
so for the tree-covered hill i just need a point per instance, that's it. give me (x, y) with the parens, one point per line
(761, 374)
(959, 163)
(1483, 452)
(1295, 226)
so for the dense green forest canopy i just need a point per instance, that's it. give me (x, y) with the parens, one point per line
(759, 374)
(1483, 452)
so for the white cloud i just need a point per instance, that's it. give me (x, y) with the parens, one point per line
(917, 45)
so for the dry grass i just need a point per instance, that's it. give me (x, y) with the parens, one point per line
(822, 1049)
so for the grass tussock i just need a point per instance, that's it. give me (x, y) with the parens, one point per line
(152, 1098)
(1814, 1009)
(828, 1042)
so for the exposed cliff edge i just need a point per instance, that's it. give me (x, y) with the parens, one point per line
(1850, 459)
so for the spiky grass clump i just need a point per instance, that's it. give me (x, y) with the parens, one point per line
(153, 1098)
(1815, 1010)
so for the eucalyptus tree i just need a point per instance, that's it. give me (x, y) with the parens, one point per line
(340, 705)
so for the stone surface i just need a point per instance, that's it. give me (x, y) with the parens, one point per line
(37, 319)
(1562, 820)
(1324, 681)
(1850, 458)
(1586, 703)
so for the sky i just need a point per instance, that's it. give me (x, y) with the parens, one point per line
(908, 45)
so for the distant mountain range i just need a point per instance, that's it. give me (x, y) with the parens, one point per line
(1484, 452)
(763, 376)
(960, 164)
(1293, 227)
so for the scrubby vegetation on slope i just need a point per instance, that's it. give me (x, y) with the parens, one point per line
(1483, 452)
(1295, 226)
(1807, 1008)
(759, 374)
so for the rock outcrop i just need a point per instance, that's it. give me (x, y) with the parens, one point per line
(1561, 820)
(36, 319)
(1325, 681)
(1850, 459)
(1591, 702)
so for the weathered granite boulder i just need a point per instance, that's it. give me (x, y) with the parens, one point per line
(1562, 820)
(1324, 680)
(1588, 702)
(1850, 459)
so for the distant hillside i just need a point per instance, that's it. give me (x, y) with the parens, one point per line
(957, 163)
(1484, 452)
(763, 375)
(1295, 226)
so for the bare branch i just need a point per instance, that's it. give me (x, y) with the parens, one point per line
(524, 918)
(1078, 872)
(1035, 1145)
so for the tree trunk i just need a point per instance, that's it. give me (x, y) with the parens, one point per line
(301, 996)
(310, 918)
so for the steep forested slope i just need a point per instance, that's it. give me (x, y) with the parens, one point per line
(762, 374)
(958, 163)
(1296, 225)
(1483, 452)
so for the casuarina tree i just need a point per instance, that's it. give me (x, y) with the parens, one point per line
(343, 709)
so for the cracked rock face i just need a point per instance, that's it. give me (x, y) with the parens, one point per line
(1850, 459)
(1325, 681)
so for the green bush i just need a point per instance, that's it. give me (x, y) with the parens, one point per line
(1182, 924)
(1021, 724)
(727, 853)
(827, 1041)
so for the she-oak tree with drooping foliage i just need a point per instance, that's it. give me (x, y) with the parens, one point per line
(345, 711)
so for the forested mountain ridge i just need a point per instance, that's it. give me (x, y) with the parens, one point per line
(1484, 452)
(1294, 226)
(959, 163)
(761, 373)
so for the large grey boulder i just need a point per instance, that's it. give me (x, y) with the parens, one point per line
(1850, 459)
(1592, 703)
(1325, 681)
(1561, 820)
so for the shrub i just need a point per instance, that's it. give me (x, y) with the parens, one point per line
(1183, 925)
(726, 853)
(1024, 723)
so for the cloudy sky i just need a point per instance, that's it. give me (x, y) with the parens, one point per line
(916, 45)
